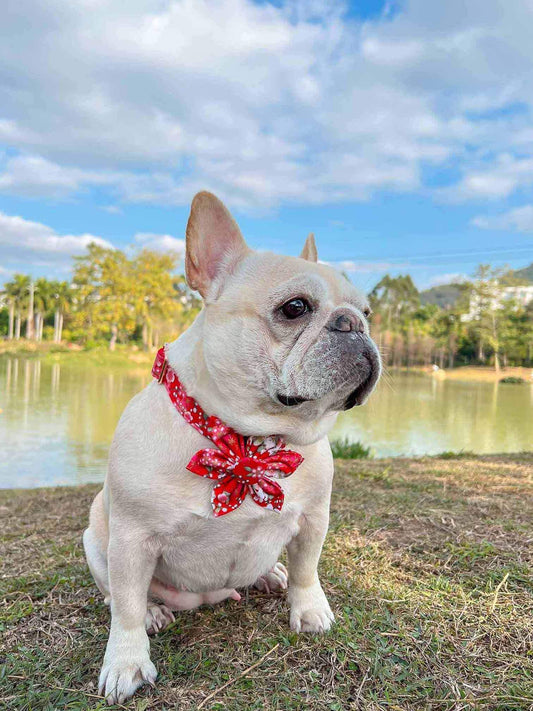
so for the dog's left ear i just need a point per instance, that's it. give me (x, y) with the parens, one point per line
(309, 251)
(214, 245)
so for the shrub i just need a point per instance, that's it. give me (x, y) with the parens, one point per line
(344, 449)
(512, 379)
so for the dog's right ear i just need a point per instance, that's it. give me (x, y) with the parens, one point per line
(214, 245)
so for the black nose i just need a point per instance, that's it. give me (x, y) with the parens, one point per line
(345, 321)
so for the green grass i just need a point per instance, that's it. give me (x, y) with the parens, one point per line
(345, 449)
(511, 379)
(427, 566)
(99, 356)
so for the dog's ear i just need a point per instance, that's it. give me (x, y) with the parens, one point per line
(309, 251)
(214, 244)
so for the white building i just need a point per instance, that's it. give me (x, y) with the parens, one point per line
(521, 295)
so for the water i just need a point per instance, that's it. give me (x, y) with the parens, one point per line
(57, 420)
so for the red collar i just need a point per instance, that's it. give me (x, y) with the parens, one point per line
(241, 465)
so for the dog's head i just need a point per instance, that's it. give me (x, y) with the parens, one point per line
(285, 337)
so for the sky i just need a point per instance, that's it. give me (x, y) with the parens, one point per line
(400, 133)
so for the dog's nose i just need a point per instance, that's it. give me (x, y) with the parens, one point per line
(345, 320)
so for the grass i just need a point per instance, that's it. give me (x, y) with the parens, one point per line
(427, 565)
(100, 356)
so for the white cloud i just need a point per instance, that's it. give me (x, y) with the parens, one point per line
(22, 239)
(160, 243)
(519, 219)
(502, 178)
(264, 104)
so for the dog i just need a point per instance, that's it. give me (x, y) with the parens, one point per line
(185, 517)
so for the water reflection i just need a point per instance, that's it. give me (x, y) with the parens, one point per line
(57, 420)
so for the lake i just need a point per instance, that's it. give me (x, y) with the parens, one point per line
(57, 420)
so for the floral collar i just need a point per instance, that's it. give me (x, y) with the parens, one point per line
(241, 465)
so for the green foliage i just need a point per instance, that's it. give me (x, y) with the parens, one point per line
(112, 298)
(344, 449)
(116, 298)
(449, 454)
(481, 324)
(511, 379)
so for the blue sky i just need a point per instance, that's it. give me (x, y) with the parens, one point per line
(400, 133)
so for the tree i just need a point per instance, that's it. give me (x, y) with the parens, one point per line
(153, 291)
(104, 289)
(396, 298)
(488, 317)
(60, 296)
(17, 292)
(43, 298)
(30, 325)
(10, 295)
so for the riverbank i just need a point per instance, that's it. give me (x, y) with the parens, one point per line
(133, 357)
(73, 354)
(427, 565)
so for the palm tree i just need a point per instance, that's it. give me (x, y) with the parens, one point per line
(61, 295)
(42, 305)
(30, 324)
(10, 294)
(18, 290)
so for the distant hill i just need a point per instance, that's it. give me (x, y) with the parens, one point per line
(445, 295)
(524, 275)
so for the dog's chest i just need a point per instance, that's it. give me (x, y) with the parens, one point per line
(229, 551)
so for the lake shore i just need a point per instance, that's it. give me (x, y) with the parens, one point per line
(135, 358)
(427, 566)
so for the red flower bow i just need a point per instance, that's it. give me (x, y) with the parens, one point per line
(241, 465)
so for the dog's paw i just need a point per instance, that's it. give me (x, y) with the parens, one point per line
(310, 610)
(120, 679)
(127, 665)
(273, 581)
(158, 618)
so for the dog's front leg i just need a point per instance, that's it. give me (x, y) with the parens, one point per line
(127, 663)
(310, 610)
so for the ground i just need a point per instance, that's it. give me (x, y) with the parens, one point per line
(428, 567)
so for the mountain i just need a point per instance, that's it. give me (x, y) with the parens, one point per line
(524, 275)
(445, 295)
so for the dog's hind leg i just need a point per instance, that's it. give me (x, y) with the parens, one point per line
(97, 562)
(275, 580)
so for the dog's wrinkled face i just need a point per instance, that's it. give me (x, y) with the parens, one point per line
(290, 332)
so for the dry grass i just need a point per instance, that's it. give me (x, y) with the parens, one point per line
(428, 567)
(470, 373)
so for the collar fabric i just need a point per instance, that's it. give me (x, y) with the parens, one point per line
(241, 465)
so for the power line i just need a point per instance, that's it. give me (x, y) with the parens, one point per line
(436, 256)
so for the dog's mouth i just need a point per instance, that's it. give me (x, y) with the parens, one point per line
(291, 400)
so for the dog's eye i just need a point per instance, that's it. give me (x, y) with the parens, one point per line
(295, 307)
(367, 311)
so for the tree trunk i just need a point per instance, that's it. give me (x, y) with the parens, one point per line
(60, 327)
(11, 320)
(30, 331)
(145, 336)
(41, 326)
(113, 341)
(496, 361)
(17, 326)
(56, 323)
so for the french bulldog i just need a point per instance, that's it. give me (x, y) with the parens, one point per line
(281, 346)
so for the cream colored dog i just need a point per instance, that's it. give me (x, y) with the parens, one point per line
(281, 346)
